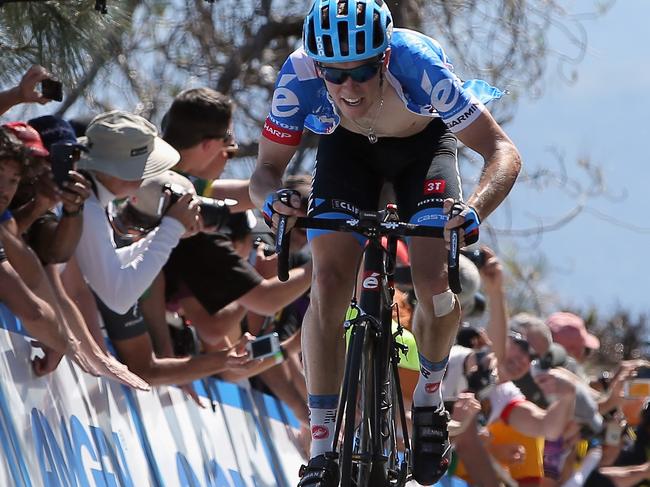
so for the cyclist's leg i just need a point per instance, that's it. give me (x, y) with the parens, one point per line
(421, 189)
(431, 179)
(341, 186)
(335, 257)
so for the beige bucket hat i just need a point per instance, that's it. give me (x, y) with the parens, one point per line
(126, 146)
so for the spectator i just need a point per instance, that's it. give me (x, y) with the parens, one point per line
(199, 125)
(47, 285)
(508, 408)
(54, 230)
(123, 150)
(569, 331)
(36, 314)
(130, 333)
(214, 286)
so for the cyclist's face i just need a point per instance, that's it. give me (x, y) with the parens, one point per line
(355, 99)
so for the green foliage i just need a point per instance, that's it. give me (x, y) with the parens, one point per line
(63, 36)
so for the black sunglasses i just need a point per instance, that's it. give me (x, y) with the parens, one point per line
(228, 137)
(360, 74)
(521, 342)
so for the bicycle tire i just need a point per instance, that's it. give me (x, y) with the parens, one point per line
(354, 356)
(386, 472)
(362, 471)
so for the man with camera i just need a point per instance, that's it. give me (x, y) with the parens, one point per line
(141, 336)
(222, 286)
(124, 150)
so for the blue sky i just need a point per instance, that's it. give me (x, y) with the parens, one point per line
(602, 116)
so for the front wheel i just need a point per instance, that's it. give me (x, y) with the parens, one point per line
(356, 453)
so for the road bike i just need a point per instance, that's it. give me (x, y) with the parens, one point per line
(371, 413)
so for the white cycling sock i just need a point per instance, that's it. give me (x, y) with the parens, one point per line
(428, 391)
(322, 421)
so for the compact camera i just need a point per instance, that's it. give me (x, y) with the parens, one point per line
(482, 381)
(264, 346)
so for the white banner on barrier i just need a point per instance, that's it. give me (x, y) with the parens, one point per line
(73, 430)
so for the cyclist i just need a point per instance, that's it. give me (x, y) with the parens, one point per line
(390, 109)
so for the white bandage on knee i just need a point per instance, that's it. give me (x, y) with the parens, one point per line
(443, 303)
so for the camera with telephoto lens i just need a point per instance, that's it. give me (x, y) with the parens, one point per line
(213, 211)
(482, 380)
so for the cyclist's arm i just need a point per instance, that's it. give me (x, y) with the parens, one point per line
(236, 189)
(272, 160)
(502, 162)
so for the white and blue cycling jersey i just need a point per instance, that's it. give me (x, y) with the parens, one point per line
(419, 71)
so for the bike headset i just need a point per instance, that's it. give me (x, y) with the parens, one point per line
(338, 31)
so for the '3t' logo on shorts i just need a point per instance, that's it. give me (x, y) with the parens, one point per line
(434, 186)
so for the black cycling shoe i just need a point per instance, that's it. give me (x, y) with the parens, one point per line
(321, 471)
(431, 448)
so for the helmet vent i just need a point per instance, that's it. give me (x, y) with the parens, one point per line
(325, 17)
(361, 14)
(342, 8)
(377, 34)
(327, 44)
(311, 37)
(361, 41)
(344, 40)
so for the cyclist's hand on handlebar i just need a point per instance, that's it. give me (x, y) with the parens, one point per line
(466, 220)
(281, 202)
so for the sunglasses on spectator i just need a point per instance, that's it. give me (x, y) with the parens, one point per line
(522, 343)
(360, 74)
(228, 137)
(232, 150)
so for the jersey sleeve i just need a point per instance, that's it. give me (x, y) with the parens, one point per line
(289, 107)
(434, 83)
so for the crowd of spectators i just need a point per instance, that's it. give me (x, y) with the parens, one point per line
(122, 249)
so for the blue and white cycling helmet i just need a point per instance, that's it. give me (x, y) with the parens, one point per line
(338, 31)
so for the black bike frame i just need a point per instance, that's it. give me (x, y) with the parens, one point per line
(376, 300)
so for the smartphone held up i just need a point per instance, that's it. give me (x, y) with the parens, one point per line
(52, 89)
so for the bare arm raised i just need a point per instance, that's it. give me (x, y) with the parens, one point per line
(25, 91)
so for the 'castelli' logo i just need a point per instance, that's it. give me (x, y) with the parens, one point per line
(319, 432)
(431, 387)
